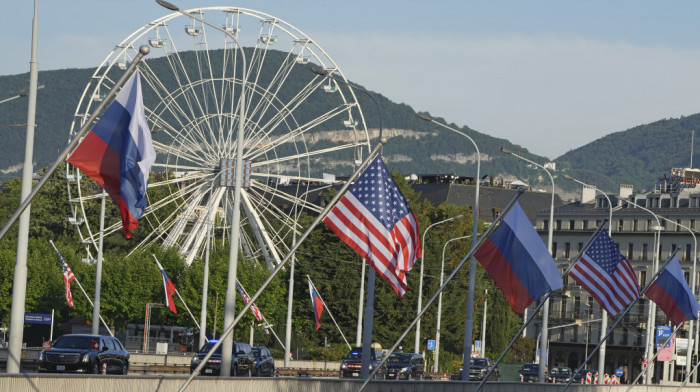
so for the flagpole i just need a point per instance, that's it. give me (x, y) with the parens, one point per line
(179, 296)
(228, 329)
(654, 357)
(143, 50)
(266, 324)
(432, 299)
(543, 300)
(83, 290)
(329, 311)
(621, 316)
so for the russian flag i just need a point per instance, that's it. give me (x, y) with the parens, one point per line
(118, 153)
(169, 289)
(518, 261)
(671, 292)
(316, 304)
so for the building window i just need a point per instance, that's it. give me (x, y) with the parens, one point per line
(687, 252)
(585, 224)
(572, 224)
(589, 302)
(678, 225)
(620, 225)
(567, 250)
(630, 251)
(545, 224)
(554, 250)
(597, 223)
(692, 224)
(642, 279)
(580, 247)
(644, 252)
(562, 310)
(648, 224)
(634, 225)
(575, 337)
(661, 250)
(686, 275)
(577, 306)
(558, 226)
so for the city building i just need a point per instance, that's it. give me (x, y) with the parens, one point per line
(671, 208)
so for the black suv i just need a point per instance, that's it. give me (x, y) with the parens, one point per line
(85, 354)
(559, 374)
(405, 366)
(580, 377)
(264, 364)
(352, 364)
(241, 361)
(529, 372)
(478, 369)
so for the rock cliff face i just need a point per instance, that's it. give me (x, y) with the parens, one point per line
(345, 135)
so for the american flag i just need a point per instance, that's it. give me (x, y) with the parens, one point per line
(606, 275)
(246, 299)
(67, 277)
(375, 220)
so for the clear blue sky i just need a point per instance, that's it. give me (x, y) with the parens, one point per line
(548, 75)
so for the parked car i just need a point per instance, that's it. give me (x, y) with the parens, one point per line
(478, 369)
(559, 374)
(529, 372)
(580, 377)
(405, 366)
(263, 363)
(85, 354)
(241, 360)
(351, 366)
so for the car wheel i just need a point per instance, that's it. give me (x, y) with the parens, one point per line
(272, 372)
(234, 371)
(125, 369)
(95, 368)
(250, 372)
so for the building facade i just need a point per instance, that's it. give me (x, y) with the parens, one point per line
(647, 227)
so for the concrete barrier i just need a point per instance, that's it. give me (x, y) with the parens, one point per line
(55, 382)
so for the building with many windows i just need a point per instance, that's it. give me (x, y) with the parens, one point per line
(645, 226)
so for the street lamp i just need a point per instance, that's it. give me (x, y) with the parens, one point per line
(649, 348)
(439, 309)
(469, 325)
(24, 93)
(604, 315)
(420, 284)
(230, 299)
(545, 310)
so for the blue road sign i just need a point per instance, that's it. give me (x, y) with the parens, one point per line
(619, 372)
(37, 318)
(477, 345)
(431, 344)
(663, 332)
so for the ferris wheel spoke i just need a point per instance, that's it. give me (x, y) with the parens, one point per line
(266, 245)
(294, 200)
(306, 155)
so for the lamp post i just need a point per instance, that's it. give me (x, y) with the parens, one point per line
(545, 308)
(369, 308)
(420, 284)
(230, 299)
(483, 324)
(604, 315)
(651, 320)
(469, 324)
(439, 309)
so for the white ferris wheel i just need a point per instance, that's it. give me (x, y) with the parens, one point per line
(297, 127)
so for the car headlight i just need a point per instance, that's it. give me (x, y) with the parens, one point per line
(343, 365)
(41, 356)
(405, 370)
(482, 370)
(86, 358)
(371, 367)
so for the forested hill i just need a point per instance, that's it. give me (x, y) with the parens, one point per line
(415, 146)
(638, 156)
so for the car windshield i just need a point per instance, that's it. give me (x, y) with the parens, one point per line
(399, 358)
(79, 342)
(564, 371)
(530, 368)
(256, 352)
(478, 362)
(357, 354)
(207, 347)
